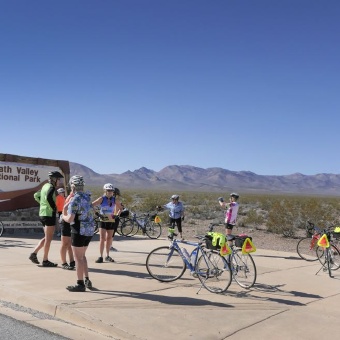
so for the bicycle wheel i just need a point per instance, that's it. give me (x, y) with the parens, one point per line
(128, 227)
(214, 272)
(165, 264)
(306, 249)
(329, 261)
(153, 230)
(333, 255)
(1, 228)
(243, 268)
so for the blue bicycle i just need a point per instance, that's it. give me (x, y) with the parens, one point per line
(168, 264)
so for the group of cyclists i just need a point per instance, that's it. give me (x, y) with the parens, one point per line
(77, 223)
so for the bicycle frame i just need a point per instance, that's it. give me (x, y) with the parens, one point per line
(175, 245)
(199, 248)
(315, 236)
(140, 222)
(168, 263)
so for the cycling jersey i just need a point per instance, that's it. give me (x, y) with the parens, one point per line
(231, 213)
(60, 201)
(107, 208)
(81, 207)
(175, 210)
(46, 198)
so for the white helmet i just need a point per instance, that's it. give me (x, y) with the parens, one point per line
(175, 197)
(77, 180)
(235, 195)
(108, 186)
(60, 190)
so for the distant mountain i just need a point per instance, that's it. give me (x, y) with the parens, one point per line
(186, 177)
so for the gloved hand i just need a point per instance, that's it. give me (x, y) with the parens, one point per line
(182, 218)
(220, 199)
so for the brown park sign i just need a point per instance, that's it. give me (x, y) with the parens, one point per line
(21, 177)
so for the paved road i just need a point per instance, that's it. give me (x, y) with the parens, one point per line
(288, 301)
(12, 329)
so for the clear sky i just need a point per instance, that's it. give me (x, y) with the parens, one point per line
(116, 85)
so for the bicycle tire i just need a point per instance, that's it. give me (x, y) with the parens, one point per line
(333, 253)
(127, 227)
(243, 269)
(165, 264)
(153, 230)
(2, 228)
(214, 272)
(123, 226)
(329, 268)
(118, 231)
(305, 250)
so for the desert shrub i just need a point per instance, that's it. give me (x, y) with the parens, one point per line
(282, 217)
(253, 218)
(282, 214)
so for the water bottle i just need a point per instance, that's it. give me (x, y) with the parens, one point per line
(193, 257)
(186, 254)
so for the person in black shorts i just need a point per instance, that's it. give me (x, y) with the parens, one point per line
(231, 211)
(110, 208)
(66, 247)
(79, 213)
(46, 198)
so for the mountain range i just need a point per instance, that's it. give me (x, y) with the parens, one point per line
(191, 178)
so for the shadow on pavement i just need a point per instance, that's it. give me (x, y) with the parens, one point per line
(263, 288)
(281, 257)
(4, 243)
(166, 299)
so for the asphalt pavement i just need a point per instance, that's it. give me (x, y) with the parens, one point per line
(288, 301)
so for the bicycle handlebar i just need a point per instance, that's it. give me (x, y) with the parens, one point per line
(212, 225)
(313, 227)
(102, 217)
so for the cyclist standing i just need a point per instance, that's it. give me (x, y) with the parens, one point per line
(231, 212)
(66, 242)
(110, 208)
(46, 198)
(176, 213)
(79, 213)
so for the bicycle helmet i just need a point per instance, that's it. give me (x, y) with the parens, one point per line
(60, 190)
(55, 174)
(116, 191)
(235, 195)
(108, 186)
(175, 197)
(77, 180)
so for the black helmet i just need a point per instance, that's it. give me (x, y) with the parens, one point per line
(116, 191)
(235, 195)
(55, 174)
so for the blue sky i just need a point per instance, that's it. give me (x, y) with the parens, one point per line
(116, 85)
